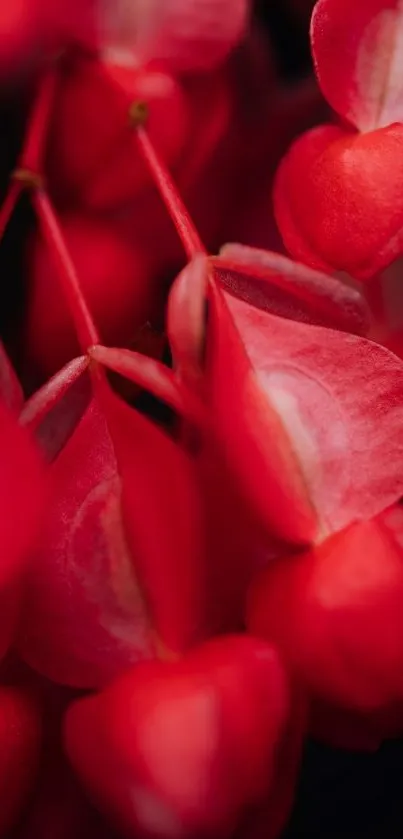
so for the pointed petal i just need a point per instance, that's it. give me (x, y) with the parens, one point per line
(36, 408)
(84, 618)
(257, 444)
(162, 515)
(338, 398)
(53, 412)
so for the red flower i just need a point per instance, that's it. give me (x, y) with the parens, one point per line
(272, 464)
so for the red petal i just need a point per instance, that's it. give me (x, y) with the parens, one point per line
(58, 806)
(185, 35)
(338, 199)
(190, 745)
(335, 613)
(163, 520)
(234, 546)
(186, 319)
(256, 441)
(84, 618)
(11, 392)
(271, 818)
(279, 285)
(240, 430)
(20, 34)
(357, 49)
(153, 376)
(22, 495)
(54, 411)
(337, 399)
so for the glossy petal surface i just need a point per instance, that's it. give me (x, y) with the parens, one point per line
(357, 48)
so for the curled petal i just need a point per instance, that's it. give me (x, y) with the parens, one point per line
(272, 282)
(150, 374)
(357, 50)
(187, 318)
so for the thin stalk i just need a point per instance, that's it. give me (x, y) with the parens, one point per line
(183, 223)
(34, 145)
(86, 330)
(30, 161)
(9, 204)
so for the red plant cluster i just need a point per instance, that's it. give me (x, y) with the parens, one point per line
(193, 583)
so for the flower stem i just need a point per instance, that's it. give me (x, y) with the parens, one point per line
(85, 327)
(34, 146)
(183, 223)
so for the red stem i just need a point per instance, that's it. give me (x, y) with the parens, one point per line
(85, 327)
(32, 152)
(7, 209)
(183, 223)
(34, 144)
